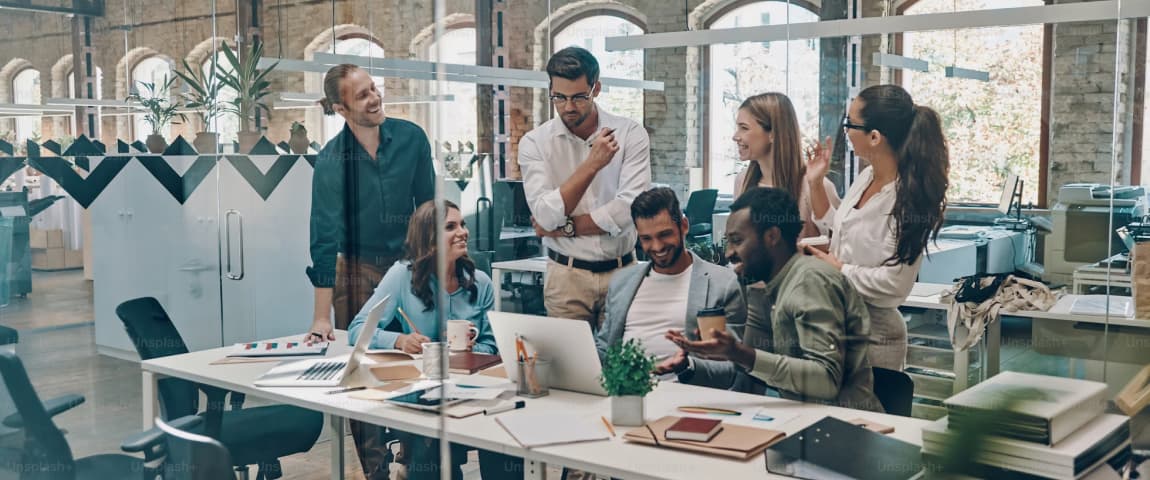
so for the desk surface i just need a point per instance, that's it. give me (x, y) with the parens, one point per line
(1060, 310)
(534, 264)
(613, 457)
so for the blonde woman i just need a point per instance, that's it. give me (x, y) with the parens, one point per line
(767, 133)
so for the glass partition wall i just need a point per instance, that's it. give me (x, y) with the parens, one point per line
(238, 241)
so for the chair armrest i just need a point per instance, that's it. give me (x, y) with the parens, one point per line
(145, 441)
(54, 406)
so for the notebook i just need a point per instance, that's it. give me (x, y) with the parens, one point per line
(542, 429)
(467, 363)
(694, 429)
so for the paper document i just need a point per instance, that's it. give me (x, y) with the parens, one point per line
(1096, 305)
(462, 392)
(541, 429)
(278, 349)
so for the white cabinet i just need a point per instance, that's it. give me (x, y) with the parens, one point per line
(145, 243)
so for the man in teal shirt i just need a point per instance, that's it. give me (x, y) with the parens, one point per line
(807, 330)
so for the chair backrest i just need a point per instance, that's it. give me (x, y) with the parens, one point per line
(194, 457)
(701, 205)
(46, 450)
(895, 390)
(155, 336)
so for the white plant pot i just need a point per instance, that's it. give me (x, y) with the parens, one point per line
(627, 411)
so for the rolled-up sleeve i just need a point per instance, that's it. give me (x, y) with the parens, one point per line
(543, 197)
(825, 223)
(327, 225)
(634, 178)
(818, 373)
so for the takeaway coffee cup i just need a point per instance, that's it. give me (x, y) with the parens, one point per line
(711, 319)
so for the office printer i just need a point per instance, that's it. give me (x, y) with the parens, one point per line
(1085, 224)
(963, 250)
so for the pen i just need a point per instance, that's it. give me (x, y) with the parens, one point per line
(409, 322)
(710, 411)
(608, 424)
(345, 390)
(504, 408)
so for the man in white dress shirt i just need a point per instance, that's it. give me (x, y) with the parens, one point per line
(581, 171)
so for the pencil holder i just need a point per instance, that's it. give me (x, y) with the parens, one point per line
(533, 378)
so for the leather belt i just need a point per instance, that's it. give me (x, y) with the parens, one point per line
(592, 266)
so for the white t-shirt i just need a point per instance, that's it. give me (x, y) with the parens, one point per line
(659, 305)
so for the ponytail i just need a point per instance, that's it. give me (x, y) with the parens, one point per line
(331, 83)
(914, 132)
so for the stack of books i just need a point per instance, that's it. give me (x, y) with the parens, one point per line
(1030, 426)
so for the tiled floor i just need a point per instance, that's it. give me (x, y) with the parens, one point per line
(57, 346)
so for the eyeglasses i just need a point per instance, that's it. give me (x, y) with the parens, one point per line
(579, 99)
(848, 125)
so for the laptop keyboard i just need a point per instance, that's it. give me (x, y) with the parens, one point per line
(322, 371)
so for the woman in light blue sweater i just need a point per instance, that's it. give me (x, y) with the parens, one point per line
(412, 285)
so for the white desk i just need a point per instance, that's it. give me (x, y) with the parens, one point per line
(536, 264)
(613, 457)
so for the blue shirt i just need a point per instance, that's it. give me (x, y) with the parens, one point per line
(397, 283)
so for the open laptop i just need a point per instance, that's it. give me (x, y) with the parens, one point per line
(325, 372)
(569, 345)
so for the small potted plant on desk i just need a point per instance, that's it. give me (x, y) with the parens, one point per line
(627, 378)
(158, 111)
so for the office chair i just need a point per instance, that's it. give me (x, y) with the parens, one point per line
(46, 455)
(699, 210)
(895, 391)
(259, 435)
(194, 457)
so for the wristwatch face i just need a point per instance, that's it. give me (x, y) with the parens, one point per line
(569, 228)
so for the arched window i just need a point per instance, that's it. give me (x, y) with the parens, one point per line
(590, 33)
(738, 71)
(227, 125)
(99, 86)
(993, 128)
(26, 90)
(332, 124)
(157, 71)
(458, 47)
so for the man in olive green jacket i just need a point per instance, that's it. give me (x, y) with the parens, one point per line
(807, 330)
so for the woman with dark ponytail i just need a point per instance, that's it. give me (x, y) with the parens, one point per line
(891, 211)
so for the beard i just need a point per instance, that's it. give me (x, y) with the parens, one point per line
(675, 255)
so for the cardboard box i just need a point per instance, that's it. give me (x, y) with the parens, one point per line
(73, 258)
(48, 259)
(53, 238)
(37, 238)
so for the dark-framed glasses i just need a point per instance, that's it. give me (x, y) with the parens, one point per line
(579, 99)
(848, 125)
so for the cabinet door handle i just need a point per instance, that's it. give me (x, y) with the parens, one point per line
(230, 273)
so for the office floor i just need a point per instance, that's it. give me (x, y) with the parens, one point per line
(58, 349)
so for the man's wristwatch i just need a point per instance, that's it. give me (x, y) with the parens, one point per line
(568, 228)
(687, 371)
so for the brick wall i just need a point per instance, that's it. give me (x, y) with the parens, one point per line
(1082, 101)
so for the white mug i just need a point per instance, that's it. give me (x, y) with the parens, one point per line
(459, 334)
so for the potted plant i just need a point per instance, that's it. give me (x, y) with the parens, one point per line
(459, 162)
(627, 378)
(251, 85)
(159, 111)
(298, 141)
(202, 95)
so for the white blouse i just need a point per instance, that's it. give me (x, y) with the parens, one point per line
(864, 238)
(811, 228)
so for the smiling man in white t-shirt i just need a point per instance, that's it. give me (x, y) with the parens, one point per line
(646, 300)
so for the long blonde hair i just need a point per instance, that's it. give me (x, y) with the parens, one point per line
(775, 113)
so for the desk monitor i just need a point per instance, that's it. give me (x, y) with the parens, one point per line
(569, 345)
(1011, 189)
